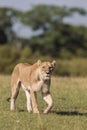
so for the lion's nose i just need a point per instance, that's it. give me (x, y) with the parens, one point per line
(50, 68)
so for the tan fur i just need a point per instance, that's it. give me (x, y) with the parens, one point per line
(32, 78)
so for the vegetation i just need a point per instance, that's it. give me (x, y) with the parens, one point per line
(57, 38)
(9, 57)
(65, 43)
(7, 19)
(69, 111)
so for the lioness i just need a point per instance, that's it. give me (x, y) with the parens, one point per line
(32, 78)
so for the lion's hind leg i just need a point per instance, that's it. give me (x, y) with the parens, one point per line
(14, 94)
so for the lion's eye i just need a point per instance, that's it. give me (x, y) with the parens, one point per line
(43, 67)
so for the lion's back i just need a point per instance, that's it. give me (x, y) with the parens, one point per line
(18, 71)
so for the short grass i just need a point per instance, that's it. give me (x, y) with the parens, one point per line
(69, 111)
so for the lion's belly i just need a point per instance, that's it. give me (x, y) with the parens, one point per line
(35, 87)
(39, 86)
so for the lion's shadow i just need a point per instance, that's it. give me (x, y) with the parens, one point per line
(62, 113)
(69, 113)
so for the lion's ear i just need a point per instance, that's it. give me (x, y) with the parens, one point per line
(39, 62)
(53, 63)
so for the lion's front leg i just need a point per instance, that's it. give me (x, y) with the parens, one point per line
(34, 101)
(48, 99)
(28, 96)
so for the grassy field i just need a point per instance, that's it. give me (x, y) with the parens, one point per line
(69, 111)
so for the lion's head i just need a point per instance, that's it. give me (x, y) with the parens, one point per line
(46, 69)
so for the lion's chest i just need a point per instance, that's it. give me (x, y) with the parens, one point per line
(37, 86)
(41, 86)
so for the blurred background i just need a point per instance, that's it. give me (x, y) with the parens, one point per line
(46, 30)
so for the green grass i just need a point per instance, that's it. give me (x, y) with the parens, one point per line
(69, 111)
